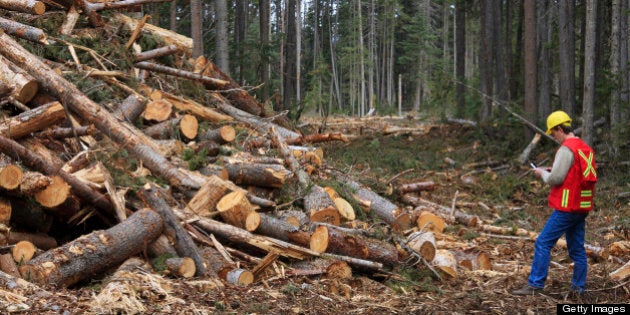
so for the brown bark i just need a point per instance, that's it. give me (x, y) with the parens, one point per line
(339, 242)
(67, 132)
(186, 105)
(93, 113)
(7, 264)
(161, 246)
(212, 82)
(94, 252)
(23, 31)
(26, 6)
(184, 244)
(157, 53)
(41, 241)
(221, 135)
(235, 209)
(263, 175)
(33, 120)
(211, 148)
(238, 235)
(30, 216)
(444, 212)
(23, 86)
(33, 182)
(130, 109)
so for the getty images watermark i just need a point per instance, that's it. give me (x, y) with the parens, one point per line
(588, 309)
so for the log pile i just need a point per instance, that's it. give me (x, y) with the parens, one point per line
(171, 176)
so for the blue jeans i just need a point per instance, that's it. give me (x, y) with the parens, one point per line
(572, 225)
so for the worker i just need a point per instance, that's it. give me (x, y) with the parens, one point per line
(572, 178)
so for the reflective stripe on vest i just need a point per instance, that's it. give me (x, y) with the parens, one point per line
(565, 198)
(589, 164)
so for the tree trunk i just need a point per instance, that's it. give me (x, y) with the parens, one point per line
(221, 135)
(93, 113)
(262, 175)
(264, 9)
(566, 50)
(196, 28)
(156, 53)
(588, 102)
(221, 38)
(94, 252)
(130, 109)
(183, 127)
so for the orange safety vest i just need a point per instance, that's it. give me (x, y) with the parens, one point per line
(575, 194)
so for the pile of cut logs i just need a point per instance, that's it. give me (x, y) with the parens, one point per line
(48, 174)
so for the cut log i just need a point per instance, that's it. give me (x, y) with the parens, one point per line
(161, 246)
(93, 113)
(130, 109)
(263, 175)
(235, 209)
(23, 251)
(344, 208)
(620, 248)
(443, 211)
(72, 17)
(94, 252)
(221, 135)
(157, 52)
(210, 148)
(212, 82)
(182, 127)
(446, 262)
(524, 156)
(184, 245)
(415, 187)
(98, 6)
(23, 31)
(180, 266)
(428, 221)
(621, 273)
(335, 241)
(473, 260)
(67, 132)
(239, 276)
(384, 209)
(330, 268)
(423, 243)
(54, 194)
(10, 176)
(293, 217)
(5, 211)
(282, 230)
(320, 207)
(159, 110)
(33, 120)
(185, 105)
(22, 85)
(238, 235)
(26, 6)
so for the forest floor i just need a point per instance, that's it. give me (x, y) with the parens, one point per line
(444, 153)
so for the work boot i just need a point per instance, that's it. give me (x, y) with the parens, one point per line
(527, 290)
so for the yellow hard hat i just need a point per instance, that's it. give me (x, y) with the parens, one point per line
(557, 118)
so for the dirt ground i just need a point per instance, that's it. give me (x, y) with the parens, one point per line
(514, 198)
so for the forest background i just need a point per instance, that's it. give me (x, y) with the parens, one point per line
(477, 60)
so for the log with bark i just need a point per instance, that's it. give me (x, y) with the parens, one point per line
(221, 135)
(184, 245)
(26, 6)
(184, 127)
(10, 176)
(23, 31)
(214, 83)
(130, 109)
(382, 208)
(320, 207)
(443, 211)
(93, 113)
(422, 243)
(263, 175)
(332, 240)
(23, 86)
(156, 53)
(33, 120)
(621, 273)
(186, 105)
(235, 209)
(94, 252)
